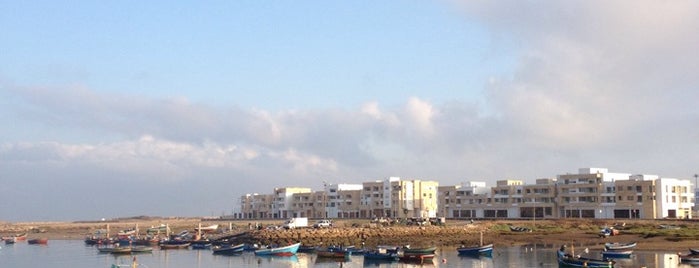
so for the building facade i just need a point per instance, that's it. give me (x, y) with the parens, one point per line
(593, 193)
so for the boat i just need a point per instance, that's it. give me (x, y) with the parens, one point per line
(619, 246)
(113, 249)
(479, 250)
(617, 253)
(228, 249)
(38, 241)
(332, 252)
(307, 249)
(210, 228)
(416, 257)
(162, 228)
(570, 260)
(141, 249)
(279, 251)
(689, 258)
(174, 244)
(126, 233)
(16, 238)
(380, 254)
(694, 251)
(484, 250)
(120, 250)
(202, 244)
(428, 250)
(10, 241)
(520, 229)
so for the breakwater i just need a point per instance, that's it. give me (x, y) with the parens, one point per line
(349, 236)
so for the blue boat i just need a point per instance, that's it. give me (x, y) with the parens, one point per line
(485, 250)
(201, 245)
(569, 260)
(380, 255)
(228, 249)
(279, 251)
(480, 250)
(617, 253)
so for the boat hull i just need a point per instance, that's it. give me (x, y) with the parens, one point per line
(229, 249)
(279, 251)
(566, 260)
(486, 250)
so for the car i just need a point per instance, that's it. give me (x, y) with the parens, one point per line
(323, 224)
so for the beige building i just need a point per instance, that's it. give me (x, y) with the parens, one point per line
(591, 193)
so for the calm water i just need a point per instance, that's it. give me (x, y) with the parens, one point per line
(75, 254)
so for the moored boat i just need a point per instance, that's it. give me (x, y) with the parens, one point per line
(428, 250)
(617, 253)
(380, 254)
(569, 260)
(333, 253)
(228, 249)
(619, 246)
(416, 257)
(141, 249)
(279, 251)
(176, 244)
(689, 258)
(484, 250)
(38, 241)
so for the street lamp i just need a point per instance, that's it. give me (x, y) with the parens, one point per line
(325, 199)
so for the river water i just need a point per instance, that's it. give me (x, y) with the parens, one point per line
(75, 254)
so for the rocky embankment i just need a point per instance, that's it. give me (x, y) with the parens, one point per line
(346, 236)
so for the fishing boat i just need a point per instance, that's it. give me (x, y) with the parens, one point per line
(16, 238)
(141, 249)
(479, 250)
(428, 250)
(570, 260)
(694, 251)
(120, 250)
(113, 249)
(307, 249)
(416, 257)
(174, 244)
(38, 241)
(228, 249)
(333, 252)
(617, 253)
(161, 229)
(689, 258)
(201, 244)
(210, 228)
(279, 251)
(619, 246)
(484, 250)
(380, 254)
(520, 229)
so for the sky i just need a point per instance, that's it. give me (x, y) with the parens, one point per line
(160, 108)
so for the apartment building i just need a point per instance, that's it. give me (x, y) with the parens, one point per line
(465, 201)
(591, 193)
(675, 198)
(539, 200)
(343, 200)
(580, 195)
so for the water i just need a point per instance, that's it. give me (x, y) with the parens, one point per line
(74, 254)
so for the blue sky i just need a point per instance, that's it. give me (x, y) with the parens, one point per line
(214, 100)
(258, 54)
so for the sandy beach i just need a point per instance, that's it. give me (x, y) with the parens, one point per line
(648, 234)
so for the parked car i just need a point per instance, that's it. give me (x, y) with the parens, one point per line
(323, 224)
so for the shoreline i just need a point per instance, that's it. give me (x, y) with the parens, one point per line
(546, 233)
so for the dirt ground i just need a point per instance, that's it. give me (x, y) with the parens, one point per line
(545, 232)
